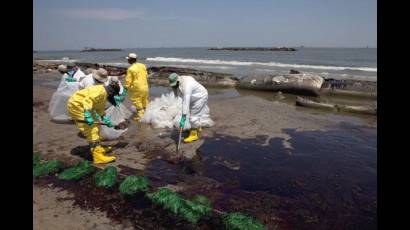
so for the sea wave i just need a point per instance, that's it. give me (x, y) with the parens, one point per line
(63, 60)
(245, 63)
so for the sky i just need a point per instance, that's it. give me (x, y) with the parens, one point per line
(75, 24)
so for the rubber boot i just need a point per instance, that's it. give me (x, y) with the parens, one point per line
(193, 136)
(99, 157)
(107, 148)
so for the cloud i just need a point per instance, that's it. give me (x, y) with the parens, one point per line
(108, 14)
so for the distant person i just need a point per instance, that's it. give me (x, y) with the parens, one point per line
(74, 73)
(136, 84)
(194, 101)
(85, 107)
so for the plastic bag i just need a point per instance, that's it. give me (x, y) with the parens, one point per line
(117, 115)
(162, 111)
(166, 112)
(58, 103)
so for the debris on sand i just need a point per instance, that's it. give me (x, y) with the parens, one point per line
(77, 172)
(107, 177)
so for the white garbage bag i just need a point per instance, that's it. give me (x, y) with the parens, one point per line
(117, 115)
(166, 112)
(58, 103)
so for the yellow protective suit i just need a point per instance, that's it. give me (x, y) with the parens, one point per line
(91, 98)
(137, 85)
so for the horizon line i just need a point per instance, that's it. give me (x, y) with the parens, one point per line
(181, 47)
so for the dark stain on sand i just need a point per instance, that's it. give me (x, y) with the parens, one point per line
(327, 182)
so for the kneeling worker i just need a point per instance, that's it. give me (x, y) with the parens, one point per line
(194, 101)
(87, 105)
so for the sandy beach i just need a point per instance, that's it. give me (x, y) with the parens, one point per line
(284, 165)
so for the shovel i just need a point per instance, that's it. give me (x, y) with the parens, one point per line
(179, 139)
(99, 123)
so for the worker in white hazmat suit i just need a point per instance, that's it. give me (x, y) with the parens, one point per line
(74, 73)
(194, 102)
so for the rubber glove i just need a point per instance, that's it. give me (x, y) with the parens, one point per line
(88, 118)
(97, 116)
(119, 99)
(182, 121)
(106, 120)
(70, 79)
(124, 92)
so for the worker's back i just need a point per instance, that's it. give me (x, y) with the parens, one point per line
(136, 78)
(189, 85)
(92, 97)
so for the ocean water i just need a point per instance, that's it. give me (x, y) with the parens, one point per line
(359, 63)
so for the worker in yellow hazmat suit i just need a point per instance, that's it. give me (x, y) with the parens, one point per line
(136, 85)
(87, 105)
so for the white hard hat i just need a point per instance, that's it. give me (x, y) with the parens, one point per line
(62, 68)
(101, 74)
(132, 55)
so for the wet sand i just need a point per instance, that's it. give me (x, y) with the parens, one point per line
(287, 166)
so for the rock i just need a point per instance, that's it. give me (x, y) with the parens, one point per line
(159, 76)
(279, 96)
(370, 110)
(292, 71)
(255, 49)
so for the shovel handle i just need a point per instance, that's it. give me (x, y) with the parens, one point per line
(95, 122)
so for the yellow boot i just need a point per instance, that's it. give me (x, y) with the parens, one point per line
(108, 148)
(99, 157)
(193, 136)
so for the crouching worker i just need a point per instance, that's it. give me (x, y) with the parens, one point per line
(194, 102)
(86, 107)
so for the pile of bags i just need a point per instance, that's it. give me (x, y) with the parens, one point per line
(58, 103)
(166, 112)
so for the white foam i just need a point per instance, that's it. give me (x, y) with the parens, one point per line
(245, 63)
(63, 60)
(116, 64)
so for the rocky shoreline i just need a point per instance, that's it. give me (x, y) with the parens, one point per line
(255, 49)
(158, 76)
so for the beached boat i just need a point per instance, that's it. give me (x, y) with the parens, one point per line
(304, 84)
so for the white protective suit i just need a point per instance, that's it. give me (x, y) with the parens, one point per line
(194, 100)
(79, 75)
(90, 81)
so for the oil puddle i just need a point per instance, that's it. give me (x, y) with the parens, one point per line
(328, 181)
